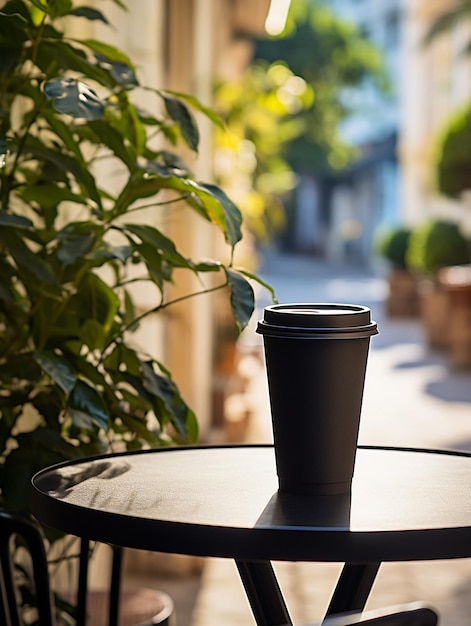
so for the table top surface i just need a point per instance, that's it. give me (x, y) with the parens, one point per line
(405, 504)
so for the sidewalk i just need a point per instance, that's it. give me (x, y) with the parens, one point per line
(411, 398)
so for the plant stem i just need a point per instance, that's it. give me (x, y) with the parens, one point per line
(160, 307)
(151, 205)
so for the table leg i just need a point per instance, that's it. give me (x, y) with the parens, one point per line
(264, 593)
(353, 587)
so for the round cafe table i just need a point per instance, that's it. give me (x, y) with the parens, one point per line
(223, 501)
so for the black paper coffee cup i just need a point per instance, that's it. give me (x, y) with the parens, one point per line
(316, 356)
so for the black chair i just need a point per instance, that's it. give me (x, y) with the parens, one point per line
(137, 607)
(413, 614)
(11, 526)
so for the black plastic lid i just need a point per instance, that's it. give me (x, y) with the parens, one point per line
(317, 319)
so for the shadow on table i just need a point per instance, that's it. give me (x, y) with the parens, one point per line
(460, 445)
(428, 359)
(454, 387)
(61, 482)
(458, 607)
(451, 386)
(393, 338)
(286, 509)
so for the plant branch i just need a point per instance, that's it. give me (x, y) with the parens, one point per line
(158, 308)
(194, 294)
(155, 204)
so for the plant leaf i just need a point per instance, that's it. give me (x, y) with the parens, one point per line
(106, 252)
(208, 200)
(97, 300)
(49, 195)
(12, 27)
(110, 137)
(19, 367)
(242, 298)
(58, 369)
(110, 53)
(89, 13)
(73, 97)
(154, 237)
(124, 357)
(208, 266)
(54, 8)
(67, 164)
(196, 104)
(26, 260)
(74, 248)
(162, 387)
(123, 74)
(261, 282)
(76, 240)
(232, 214)
(18, 221)
(61, 55)
(36, 449)
(93, 335)
(180, 113)
(87, 401)
(159, 270)
(62, 131)
(132, 127)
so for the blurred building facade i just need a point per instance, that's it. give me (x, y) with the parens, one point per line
(366, 195)
(436, 81)
(393, 179)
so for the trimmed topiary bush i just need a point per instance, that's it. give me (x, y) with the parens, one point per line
(392, 244)
(453, 166)
(436, 244)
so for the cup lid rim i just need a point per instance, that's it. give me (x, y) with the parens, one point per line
(317, 308)
(317, 317)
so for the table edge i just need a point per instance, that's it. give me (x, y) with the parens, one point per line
(254, 543)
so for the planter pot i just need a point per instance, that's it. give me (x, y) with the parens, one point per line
(456, 282)
(434, 314)
(403, 297)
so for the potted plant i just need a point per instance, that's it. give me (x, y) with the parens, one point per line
(392, 244)
(432, 246)
(73, 247)
(453, 162)
(453, 170)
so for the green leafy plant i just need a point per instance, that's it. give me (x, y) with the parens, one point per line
(330, 54)
(392, 244)
(285, 113)
(453, 163)
(260, 112)
(72, 381)
(437, 244)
